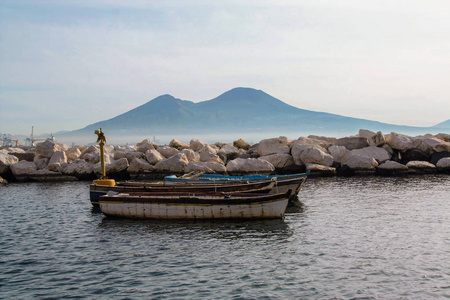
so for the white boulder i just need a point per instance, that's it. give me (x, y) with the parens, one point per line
(241, 144)
(129, 155)
(249, 165)
(6, 160)
(178, 145)
(354, 142)
(58, 157)
(210, 157)
(437, 145)
(153, 156)
(191, 155)
(139, 165)
(305, 154)
(47, 148)
(23, 167)
(147, 141)
(176, 164)
(321, 169)
(196, 144)
(273, 145)
(144, 147)
(73, 153)
(418, 164)
(167, 151)
(40, 161)
(279, 160)
(228, 149)
(392, 166)
(443, 163)
(205, 167)
(400, 141)
(338, 153)
(78, 167)
(359, 162)
(114, 166)
(208, 148)
(379, 154)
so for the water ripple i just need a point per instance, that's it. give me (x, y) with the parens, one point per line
(357, 238)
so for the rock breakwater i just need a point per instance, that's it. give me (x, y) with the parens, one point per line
(367, 153)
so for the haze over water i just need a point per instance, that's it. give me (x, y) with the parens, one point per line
(371, 238)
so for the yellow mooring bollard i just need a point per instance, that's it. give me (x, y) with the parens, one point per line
(101, 140)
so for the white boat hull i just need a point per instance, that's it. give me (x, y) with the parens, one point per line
(274, 208)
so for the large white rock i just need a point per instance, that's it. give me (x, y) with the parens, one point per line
(305, 154)
(147, 141)
(249, 165)
(78, 167)
(228, 149)
(40, 161)
(153, 156)
(273, 145)
(338, 153)
(379, 154)
(176, 164)
(208, 148)
(313, 140)
(354, 142)
(443, 136)
(437, 145)
(6, 160)
(92, 157)
(14, 150)
(210, 157)
(359, 162)
(129, 155)
(55, 167)
(23, 167)
(178, 145)
(114, 166)
(443, 163)
(279, 160)
(167, 151)
(196, 145)
(47, 148)
(91, 149)
(392, 166)
(144, 147)
(138, 165)
(73, 153)
(206, 167)
(241, 144)
(418, 164)
(58, 157)
(321, 169)
(191, 155)
(419, 144)
(399, 141)
(316, 155)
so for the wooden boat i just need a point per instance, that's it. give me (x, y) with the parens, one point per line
(97, 189)
(283, 183)
(194, 206)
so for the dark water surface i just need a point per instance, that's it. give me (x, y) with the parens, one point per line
(357, 238)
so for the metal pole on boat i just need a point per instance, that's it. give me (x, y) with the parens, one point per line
(101, 140)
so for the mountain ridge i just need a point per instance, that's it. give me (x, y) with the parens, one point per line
(237, 111)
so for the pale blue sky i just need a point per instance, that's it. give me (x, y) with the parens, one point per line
(67, 64)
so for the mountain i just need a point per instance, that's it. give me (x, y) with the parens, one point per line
(238, 111)
(445, 125)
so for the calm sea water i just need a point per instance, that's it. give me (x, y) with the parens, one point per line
(357, 238)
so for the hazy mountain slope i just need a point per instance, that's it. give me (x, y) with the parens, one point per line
(237, 110)
(445, 124)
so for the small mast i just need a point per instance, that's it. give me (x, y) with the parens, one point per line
(101, 140)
